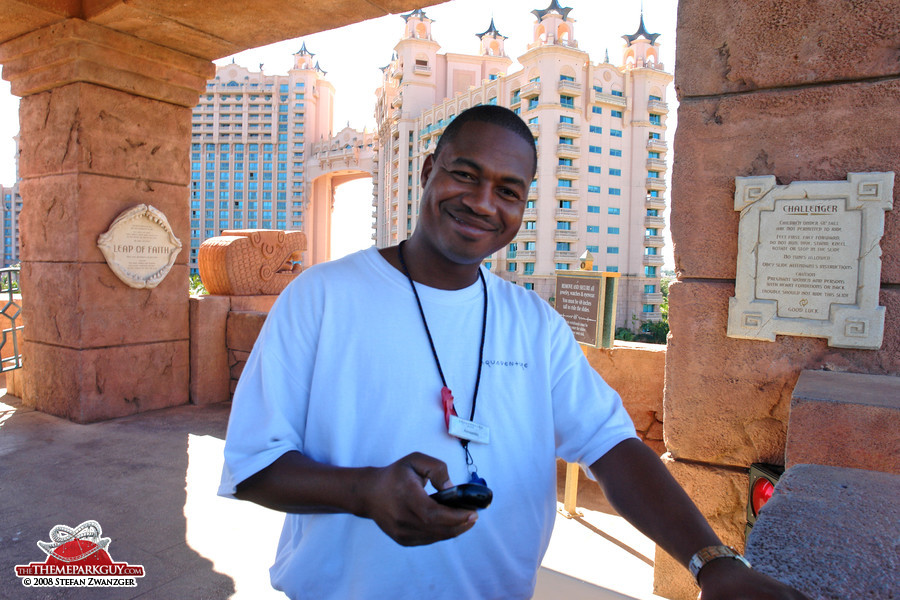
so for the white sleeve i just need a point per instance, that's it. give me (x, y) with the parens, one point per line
(589, 417)
(268, 414)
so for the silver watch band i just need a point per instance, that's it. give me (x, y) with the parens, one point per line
(706, 555)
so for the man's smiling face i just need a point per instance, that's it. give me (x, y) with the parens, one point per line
(474, 193)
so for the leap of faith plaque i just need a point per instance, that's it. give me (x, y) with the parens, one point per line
(140, 246)
(809, 260)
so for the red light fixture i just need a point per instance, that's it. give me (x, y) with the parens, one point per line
(763, 478)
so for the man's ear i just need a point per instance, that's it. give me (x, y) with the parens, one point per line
(427, 166)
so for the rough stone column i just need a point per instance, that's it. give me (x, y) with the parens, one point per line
(804, 92)
(105, 125)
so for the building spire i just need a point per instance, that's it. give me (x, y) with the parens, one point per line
(641, 32)
(491, 31)
(303, 51)
(554, 7)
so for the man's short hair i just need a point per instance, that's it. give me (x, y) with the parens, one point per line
(489, 113)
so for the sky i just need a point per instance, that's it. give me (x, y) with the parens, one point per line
(352, 57)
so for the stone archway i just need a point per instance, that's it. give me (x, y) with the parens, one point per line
(347, 156)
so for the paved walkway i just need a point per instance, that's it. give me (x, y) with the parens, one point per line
(150, 481)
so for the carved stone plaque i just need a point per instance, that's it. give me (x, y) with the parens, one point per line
(809, 260)
(140, 247)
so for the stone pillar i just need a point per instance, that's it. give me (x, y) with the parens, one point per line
(804, 92)
(105, 125)
(317, 220)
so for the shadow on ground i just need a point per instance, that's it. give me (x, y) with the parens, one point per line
(128, 474)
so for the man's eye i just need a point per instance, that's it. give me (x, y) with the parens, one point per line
(509, 194)
(463, 175)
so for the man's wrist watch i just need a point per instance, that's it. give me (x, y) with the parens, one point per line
(706, 555)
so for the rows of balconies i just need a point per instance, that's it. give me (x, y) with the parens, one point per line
(523, 255)
(535, 129)
(657, 106)
(564, 255)
(526, 234)
(656, 183)
(566, 213)
(567, 171)
(656, 163)
(565, 234)
(568, 129)
(654, 241)
(654, 221)
(567, 192)
(529, 213)
(655, 298)
(569, 87)
(602, 98)
(530, 90)
(656, 145)
(656, 202)
(568, 150)
(656, 260)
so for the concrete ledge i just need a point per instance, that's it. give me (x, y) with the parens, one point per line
(831, 532)
(845, 420)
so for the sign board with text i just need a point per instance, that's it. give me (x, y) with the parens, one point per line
(809, 260)
(140, 246)
(586, 300)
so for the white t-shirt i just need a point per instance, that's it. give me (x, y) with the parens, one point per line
(343, 372)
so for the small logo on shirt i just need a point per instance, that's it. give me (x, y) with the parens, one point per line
(505, 363)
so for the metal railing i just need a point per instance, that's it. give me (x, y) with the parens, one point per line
(10, 343)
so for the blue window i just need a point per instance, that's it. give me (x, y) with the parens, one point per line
(533, 102)
(616, 113)
(595, 149)
(649, 271)
(657, 98)
(616, 172)
(597, 110)
(566, 78)
(615, 192)
(612, 268)
(649, 308)
(615, 132)
(530, 224)
(593, 209)
(562, 266)
(563, 246)
(565, 119)
(594, 169)
(597, 88)
(590, 248)
(564, 183)
(613, 210)
(563, 225)
(617, 93)
(650, 251)
(615, 152)
(595, 129)
(612, 230)
(593, 229)
(612, 249)
(595, 189)
(655, 120)
(650, 288)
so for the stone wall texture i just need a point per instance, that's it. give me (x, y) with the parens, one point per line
(802, 91)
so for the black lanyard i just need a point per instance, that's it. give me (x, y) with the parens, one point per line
(465, 443)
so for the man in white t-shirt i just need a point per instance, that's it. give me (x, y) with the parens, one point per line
(344, 417)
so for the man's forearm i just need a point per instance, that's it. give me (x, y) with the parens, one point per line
(295, 483)
(640, 488)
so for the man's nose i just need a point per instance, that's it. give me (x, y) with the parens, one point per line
(481, 200)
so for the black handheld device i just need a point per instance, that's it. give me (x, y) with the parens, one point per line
(470, 496)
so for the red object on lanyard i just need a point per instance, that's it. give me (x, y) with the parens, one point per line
(447, 403)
